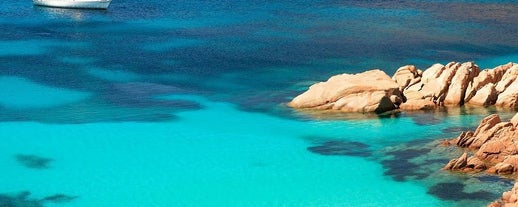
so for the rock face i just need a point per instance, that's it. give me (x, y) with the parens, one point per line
(453, 84)
(370, 91)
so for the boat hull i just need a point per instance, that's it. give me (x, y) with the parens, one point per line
(78, 4)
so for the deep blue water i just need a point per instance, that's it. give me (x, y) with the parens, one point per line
(181, 103)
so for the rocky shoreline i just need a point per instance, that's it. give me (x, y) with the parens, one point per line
(492, 148)
(410, 88)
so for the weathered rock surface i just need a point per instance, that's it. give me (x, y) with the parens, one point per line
(407, 76)
(458, 164)
(370, 91)
(410, 88)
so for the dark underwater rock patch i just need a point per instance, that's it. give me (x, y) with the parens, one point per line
(59, 198)
(455, 192)
(345, 148)
(33, 161)
(22, 199)
(400, 168)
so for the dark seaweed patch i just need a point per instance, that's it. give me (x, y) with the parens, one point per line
(33, 161)
(22, 199)
(400, 167)
(494, 179)
(59, 198)
(454, 192)
(342, 148)
(400, 170)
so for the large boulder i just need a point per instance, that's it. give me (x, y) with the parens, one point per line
(484, 132)
(370, 91)
(436, 83)
(509, 97)
(407, 76)
(463, 77)
(507, 78)
(485, 96)
(500, 146)
(457, 164)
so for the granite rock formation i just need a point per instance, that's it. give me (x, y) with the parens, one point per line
(493, 148)
(370, 91)
(410, 88)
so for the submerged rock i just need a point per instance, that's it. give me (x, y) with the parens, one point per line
(453, 84)
(401, 166)
(33, 161)
(59, 198)
(455, 192)
(23, 199)
(342, 148)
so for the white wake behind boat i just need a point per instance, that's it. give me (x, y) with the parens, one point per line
(77, 4)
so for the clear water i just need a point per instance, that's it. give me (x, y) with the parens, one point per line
(181, 103)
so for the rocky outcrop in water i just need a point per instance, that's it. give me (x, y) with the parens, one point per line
(410, 88)
(493, 147)
(370, 91)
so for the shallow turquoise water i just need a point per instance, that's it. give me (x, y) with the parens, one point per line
(211, 157)
(217, 156)
(161, 103)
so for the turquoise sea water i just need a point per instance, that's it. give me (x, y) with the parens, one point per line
(181, 103)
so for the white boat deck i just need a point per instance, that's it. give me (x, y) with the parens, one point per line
(78, 4)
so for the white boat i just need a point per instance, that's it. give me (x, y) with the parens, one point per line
(77, 4)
